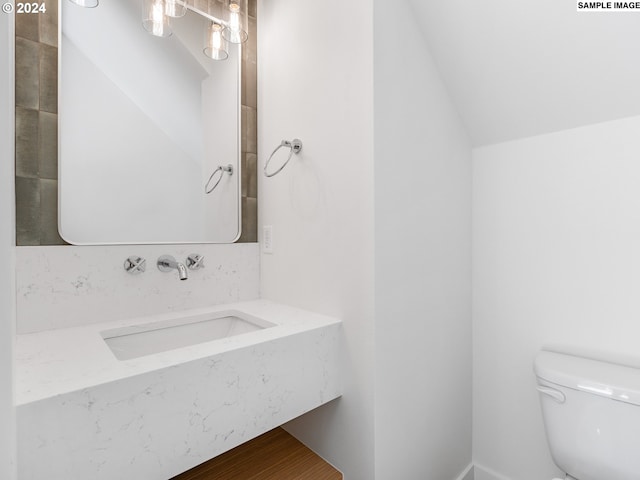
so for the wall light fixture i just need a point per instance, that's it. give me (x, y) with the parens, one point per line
(232, 26)
(154, 18)
(236, 30)
(215, 45)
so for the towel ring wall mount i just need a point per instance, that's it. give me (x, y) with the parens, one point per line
(295, 146)
(221, 169)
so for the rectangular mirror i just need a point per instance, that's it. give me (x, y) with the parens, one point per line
(145, 123)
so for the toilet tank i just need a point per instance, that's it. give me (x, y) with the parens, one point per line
(591, 412)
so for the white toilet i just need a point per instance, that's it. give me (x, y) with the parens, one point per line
(591, 413)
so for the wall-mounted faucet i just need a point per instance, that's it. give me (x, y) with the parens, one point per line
(166, 263)
(135, 265)
(195, 261)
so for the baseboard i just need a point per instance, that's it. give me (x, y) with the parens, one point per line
(467, 473)
(483, 473)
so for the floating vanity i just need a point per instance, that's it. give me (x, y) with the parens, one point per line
(152, 397)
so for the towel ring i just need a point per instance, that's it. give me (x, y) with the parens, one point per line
(295, 146)
(221, 169)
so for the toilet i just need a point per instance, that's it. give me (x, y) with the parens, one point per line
(591, 412)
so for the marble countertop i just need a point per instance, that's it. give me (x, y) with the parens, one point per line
(55, 362)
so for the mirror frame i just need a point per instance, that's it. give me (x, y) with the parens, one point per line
(36, 128)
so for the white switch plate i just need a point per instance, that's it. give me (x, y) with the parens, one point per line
(267, 239)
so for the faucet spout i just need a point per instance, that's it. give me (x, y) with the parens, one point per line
(166, 263)
(182, 271)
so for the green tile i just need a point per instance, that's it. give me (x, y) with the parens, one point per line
(251, 222)
(244, 181)
(243, 127)
(250, 81)
(48, 146)
(250, 51)
(249, 74)
(250, 175)
(49, 78)
(26, 142)
(27, 211)
(252, 130)
(27, 73)
(28, 26)
(49, 24)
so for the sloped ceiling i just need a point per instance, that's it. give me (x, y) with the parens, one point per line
(519, 68)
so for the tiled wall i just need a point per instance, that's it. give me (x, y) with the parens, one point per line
(37, 128)
(250, 131)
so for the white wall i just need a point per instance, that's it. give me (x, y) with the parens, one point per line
(422, 260)
(321, 209)
(7, 242)
(556, 229)
(321, 205)
(509, 81)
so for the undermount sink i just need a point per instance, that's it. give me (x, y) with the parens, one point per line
(155, 337)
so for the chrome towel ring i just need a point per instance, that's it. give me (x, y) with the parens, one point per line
(295, 146)
(221, 169)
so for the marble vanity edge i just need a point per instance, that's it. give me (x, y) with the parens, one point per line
(26, 399)
(163, 422)
(32, 387)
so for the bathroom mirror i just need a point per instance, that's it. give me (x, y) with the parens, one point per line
(144, 123)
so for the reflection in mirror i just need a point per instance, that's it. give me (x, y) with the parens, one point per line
(144, 123)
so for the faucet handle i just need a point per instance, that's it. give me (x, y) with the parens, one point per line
(135, 265)
(195, 261)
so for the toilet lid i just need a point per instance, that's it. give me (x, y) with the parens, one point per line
(608, 380)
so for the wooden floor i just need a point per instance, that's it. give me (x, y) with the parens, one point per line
(276, 455)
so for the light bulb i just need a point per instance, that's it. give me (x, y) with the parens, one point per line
(157, 18)
(216, 37)
(234, 17)
(214, 44)
(236, 21)
(154, 19)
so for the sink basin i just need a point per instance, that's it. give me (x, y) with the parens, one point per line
(149, 338)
